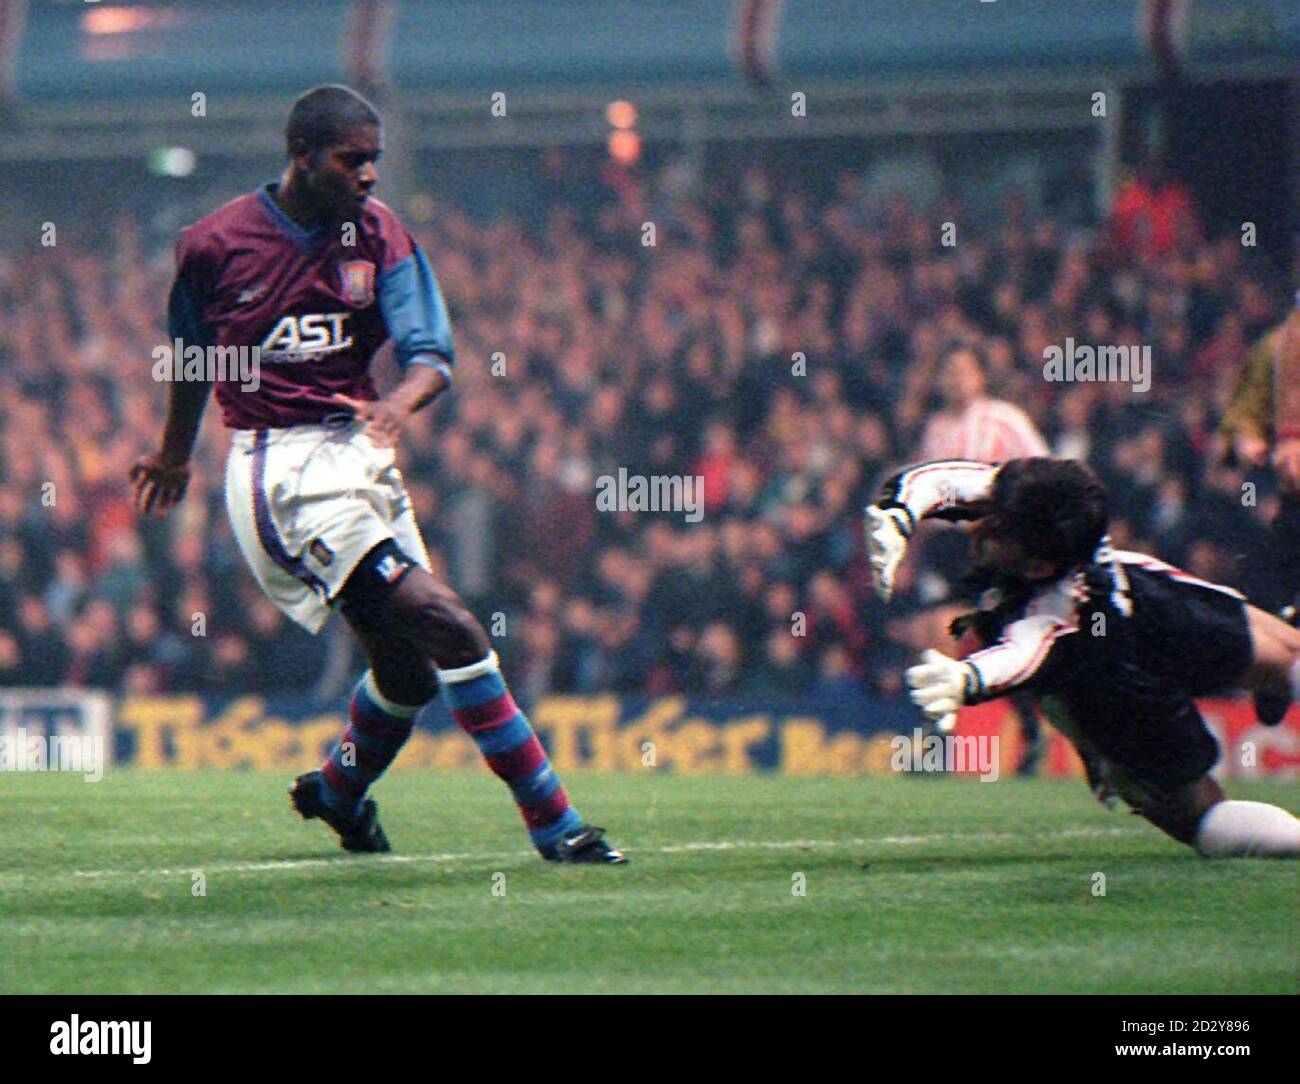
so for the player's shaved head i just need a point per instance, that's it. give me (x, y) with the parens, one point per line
(324, 116)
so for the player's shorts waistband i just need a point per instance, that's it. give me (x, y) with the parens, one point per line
(333, 425)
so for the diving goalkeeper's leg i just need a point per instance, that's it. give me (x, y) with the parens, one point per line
(1201, 816)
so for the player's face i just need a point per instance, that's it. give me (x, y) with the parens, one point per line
(996, 552)
(344, 175)
(993, 550)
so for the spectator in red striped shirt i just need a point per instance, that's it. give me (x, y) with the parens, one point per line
(972, 425)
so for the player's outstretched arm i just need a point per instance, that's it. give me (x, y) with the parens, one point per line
(159, 481)
(949, 488)
(386, 418)
(941, 685)
(943, 489)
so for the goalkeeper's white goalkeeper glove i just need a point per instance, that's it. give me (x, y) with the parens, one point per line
(887, 533)
(938, 687)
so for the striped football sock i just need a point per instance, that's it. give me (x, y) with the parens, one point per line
(377, 730)
(483, 707)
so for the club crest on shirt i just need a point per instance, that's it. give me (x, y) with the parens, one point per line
(357, 278)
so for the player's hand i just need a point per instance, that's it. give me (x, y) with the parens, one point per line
(158, 484)
(1286, 461)
(887, 532)
(384, 422)
(938, 687)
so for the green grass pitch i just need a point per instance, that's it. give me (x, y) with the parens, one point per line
(910, 885)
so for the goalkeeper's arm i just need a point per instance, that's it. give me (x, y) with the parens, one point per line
(947, 488)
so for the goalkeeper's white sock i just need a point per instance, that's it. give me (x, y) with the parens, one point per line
(1248, 830)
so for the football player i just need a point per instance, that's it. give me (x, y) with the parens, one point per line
(973, 425)
(317, 273)
(1115, 644)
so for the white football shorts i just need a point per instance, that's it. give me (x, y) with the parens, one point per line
(307, 503)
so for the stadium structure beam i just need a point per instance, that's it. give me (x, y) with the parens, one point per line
(252, 125)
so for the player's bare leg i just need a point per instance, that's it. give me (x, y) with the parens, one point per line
(1179, 813)
(1202, 816)
(401, 671)
(437, 622)
(1199, 814)
(1275, 655)
(406, 619)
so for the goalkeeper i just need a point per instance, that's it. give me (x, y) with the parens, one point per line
(1115, 644)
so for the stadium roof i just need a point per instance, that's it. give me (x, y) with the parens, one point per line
(92, 51)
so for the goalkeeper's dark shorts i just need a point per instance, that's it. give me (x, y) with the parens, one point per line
(1162, 754)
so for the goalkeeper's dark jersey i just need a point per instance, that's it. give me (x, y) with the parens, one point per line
(1115, 649)
(1124, 621)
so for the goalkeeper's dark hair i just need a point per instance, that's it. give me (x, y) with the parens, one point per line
(1056, 508)
(323, 116)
